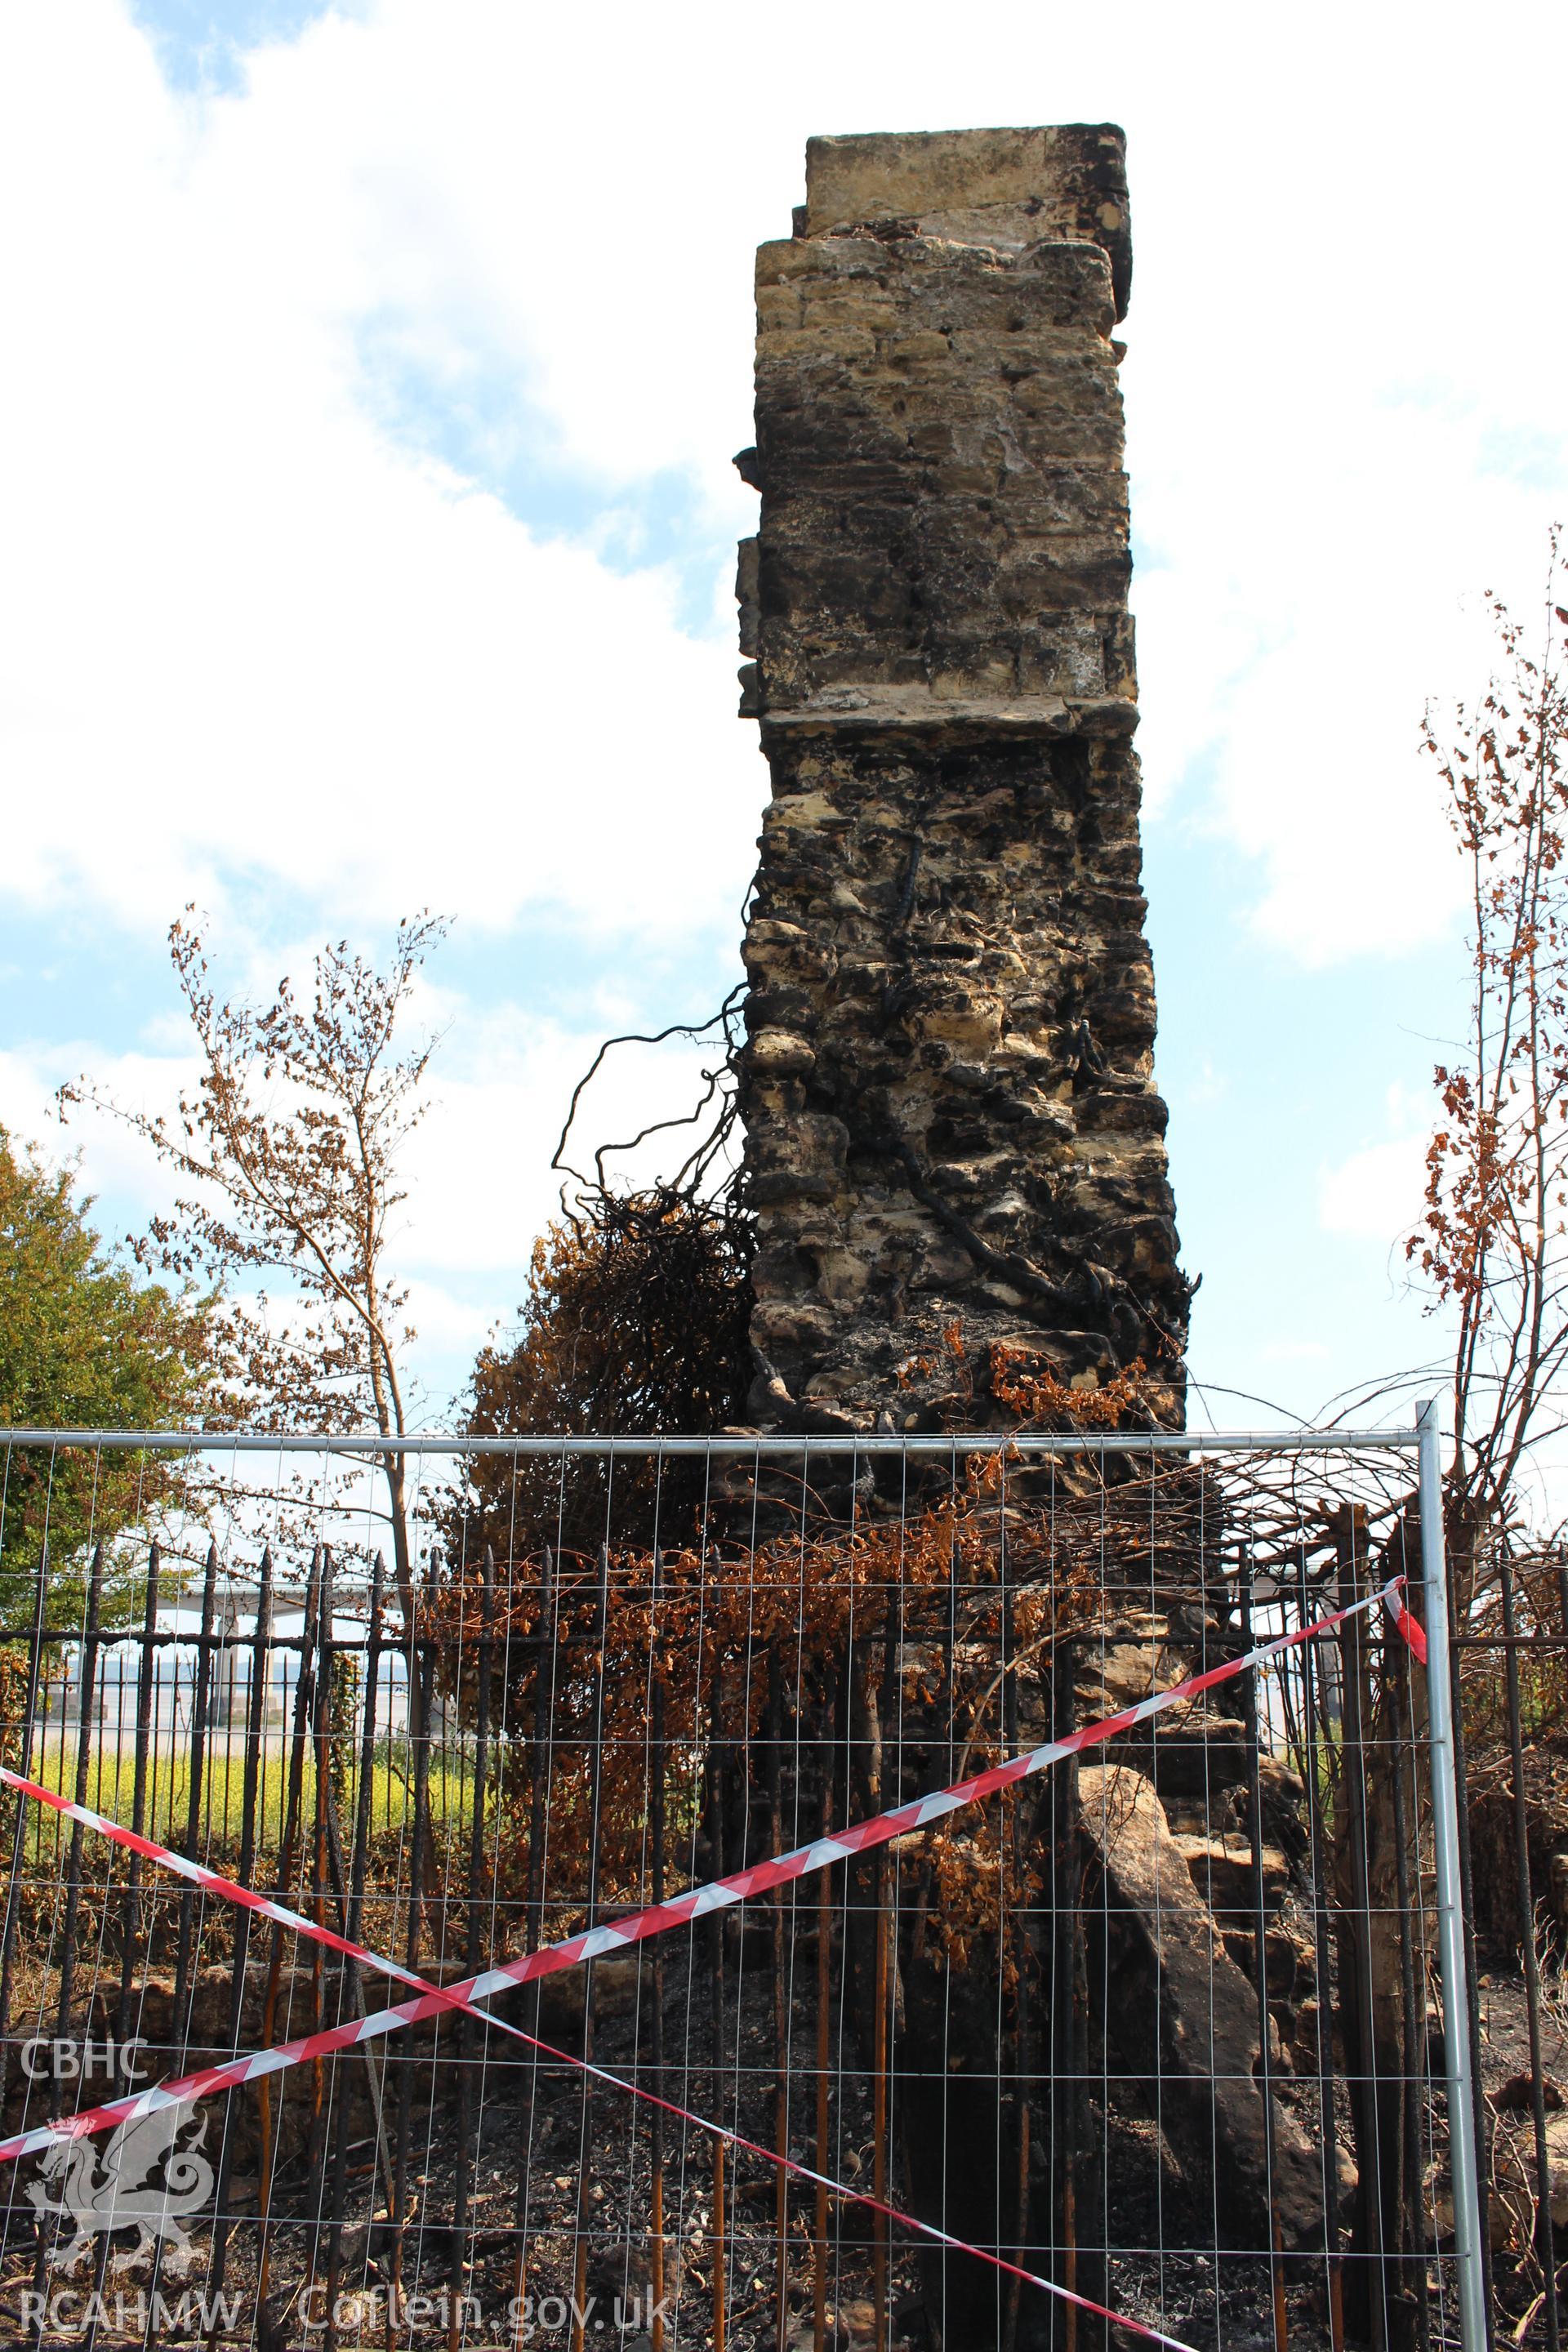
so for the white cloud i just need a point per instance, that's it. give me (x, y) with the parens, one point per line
(256, 637)
(115, 1162)
(477, 1170)
(447, 1327)
(250, 637)
(1376, 1193)
(479, 1166)
(338, 409)
(1327, 621)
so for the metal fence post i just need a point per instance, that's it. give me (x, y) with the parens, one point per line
(1459, 2058)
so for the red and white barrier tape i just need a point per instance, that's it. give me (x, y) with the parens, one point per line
(1411, 1630)
(268, 1908)
(741, 1886)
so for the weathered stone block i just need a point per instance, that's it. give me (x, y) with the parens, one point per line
(1019, 185)
(1188, 2018)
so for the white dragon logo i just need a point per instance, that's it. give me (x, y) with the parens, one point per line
(122, 2196)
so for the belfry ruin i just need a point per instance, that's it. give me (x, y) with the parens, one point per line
(955, 1144)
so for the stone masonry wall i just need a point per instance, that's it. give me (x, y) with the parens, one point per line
(948, 1088)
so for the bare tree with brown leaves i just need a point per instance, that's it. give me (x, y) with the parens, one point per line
(1493, 1245)
(1491, 1240)
(287, 1151)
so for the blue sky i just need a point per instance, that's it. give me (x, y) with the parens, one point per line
(375, 374)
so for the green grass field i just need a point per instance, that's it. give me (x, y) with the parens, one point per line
(111, 1784)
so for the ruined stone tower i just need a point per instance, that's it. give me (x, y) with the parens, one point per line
(948, 1089)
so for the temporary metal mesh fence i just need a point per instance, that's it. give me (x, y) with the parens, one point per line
(1168, 2034)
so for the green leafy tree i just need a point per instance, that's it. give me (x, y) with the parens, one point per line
(83, 1344)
